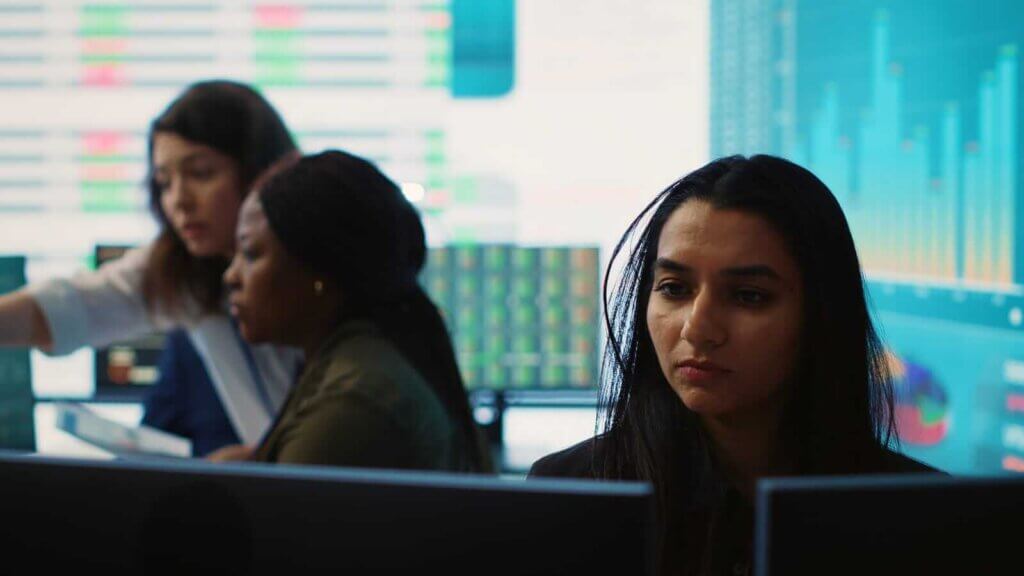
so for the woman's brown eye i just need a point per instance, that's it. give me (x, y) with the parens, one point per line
(672, 289)
(202, 173)
(752, 297)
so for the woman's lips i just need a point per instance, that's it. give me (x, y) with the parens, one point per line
(193, 230)
(700, 371)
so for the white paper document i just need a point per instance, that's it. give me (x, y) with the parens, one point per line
(121, 440)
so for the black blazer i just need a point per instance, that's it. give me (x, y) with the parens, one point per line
(578, 462)
(713, 532)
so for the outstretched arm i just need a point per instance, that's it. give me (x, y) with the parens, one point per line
(22, 323)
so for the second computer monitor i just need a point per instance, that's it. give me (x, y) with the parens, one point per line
(894, 525)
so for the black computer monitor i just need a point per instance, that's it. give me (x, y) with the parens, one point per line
(184, 517)
(889, 525)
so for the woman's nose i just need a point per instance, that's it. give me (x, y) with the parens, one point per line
(702, 326)
(176, 195)
(230, 277)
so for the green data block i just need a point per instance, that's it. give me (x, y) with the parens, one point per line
(270, 35)
(467, 259)
(108, 197)
(497, 317)
(437, 35)
(439, 287)
(524, 377)
(470, 375)
(495, 257)
(556, 343)
(525, 345)
(524, 316)
(496, 376)
(465, 234)
(468, 317)
(275, 48)
(434, 152)
(524, 288)
(468, 344)
(103, 31)
(436, 181)
(109, 159)
(468, 289)
(439, 53)
(554, 287)
(496, 287)
(282, 68)
(440, 257)
(554, 259)
(465, 190)
(103, 21)
(524, 259)
(495, 346)
(554, 376)
(554, 317)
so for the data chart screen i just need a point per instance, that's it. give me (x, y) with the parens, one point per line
(523, 123)
(520, 317)
(910, 111)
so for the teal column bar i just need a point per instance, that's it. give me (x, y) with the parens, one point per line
(483, 48)
(931, 204)
(951, 189)
(987, 196)
(17, 403)
(971, 234)
(1010, 204)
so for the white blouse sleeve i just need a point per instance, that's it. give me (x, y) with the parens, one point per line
(95, 308)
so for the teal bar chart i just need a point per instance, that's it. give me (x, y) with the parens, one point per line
(911, 112)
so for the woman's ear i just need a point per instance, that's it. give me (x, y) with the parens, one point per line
(327, 296)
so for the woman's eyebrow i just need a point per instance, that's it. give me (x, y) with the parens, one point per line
(672, 265)
(753, 271)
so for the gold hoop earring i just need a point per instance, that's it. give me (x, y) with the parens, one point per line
(318, 287)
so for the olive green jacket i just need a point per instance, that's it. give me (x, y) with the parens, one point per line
(360, 403)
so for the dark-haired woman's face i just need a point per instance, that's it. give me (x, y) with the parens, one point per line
(725, 311)
(200, 193)
(272, 296)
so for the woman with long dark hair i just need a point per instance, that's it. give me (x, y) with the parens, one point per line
(740, 346)
(204, 152)
(329, 255)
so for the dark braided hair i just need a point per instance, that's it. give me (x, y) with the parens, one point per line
(343, 218)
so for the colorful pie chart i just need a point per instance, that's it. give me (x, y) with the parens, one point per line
(922, 405)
